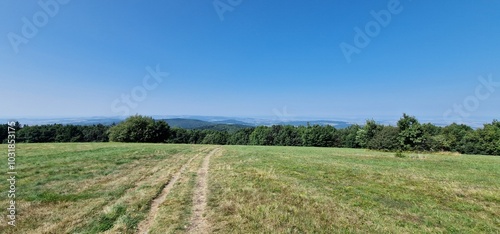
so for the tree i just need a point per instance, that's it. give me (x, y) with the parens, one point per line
(38, 134)
(288, 136)
(215, 138)
(385, 139)
(471, 143)
(489, 139)
(411, 136)
(160, 131)
(67, 133)
(3, 132)
(195, 136)
(361, 137)
(95, 133)
(319, 136)
(367, 133)
(240, 137)
(261, 135)
(140, 129)
(454, 136)
(348, 136)
(408, 135)
(433, 139)
(180, 136)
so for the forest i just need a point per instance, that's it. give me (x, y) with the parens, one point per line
(408, 135)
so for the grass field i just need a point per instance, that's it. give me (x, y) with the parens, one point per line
(121, 188)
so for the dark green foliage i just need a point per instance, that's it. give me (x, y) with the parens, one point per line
(3, 132)
(287, 136)
(195, 136)
(195, 124)
(365, 134)
(454, 135)
(348, 136)
(240, 137)
(320, 136)
(215, 138)
(95, 133)
(488, 138)
(69, 133)
(409, 135)
(385, 139)
(262, 135)
(62, 133)
(179, 135)
(140, 129)
(275, 135)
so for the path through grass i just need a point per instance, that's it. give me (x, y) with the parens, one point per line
(111, 188)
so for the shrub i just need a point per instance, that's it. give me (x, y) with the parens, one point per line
(140, 129)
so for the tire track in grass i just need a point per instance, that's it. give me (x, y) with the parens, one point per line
(54, 227)
(198, 222)
(144, 226)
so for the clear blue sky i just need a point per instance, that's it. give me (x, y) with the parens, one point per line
(263, 55)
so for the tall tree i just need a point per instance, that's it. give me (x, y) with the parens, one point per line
(261, 135)
(140, 129)
(411, 136)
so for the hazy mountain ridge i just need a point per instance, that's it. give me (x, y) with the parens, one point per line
(219, 122)
(187, 122)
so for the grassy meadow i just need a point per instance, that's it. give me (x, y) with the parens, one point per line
(109, 188)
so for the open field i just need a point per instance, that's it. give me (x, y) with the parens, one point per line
(160, 188)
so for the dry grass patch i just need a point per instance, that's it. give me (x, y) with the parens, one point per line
(90, 188)
(318, 190)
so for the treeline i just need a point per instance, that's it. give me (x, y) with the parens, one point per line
(57, 133)
(408, 135)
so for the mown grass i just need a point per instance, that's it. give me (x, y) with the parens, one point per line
(173, 216)
(316, 190)
(89, 188)
(108, 187)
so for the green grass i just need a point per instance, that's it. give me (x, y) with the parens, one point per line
(295, 190)
(89, 188)
(108, 187)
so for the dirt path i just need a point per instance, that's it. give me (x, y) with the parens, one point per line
(198, 221)
(146, 223)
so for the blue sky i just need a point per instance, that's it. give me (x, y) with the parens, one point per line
(263, 56)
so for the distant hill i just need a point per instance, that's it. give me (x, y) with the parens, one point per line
(200, 124)
(64, 121)
(187, 122)
(336, 124)
(236, 124)
(231, 121)
(221, 122)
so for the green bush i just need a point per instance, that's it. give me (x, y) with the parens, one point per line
(140, 129)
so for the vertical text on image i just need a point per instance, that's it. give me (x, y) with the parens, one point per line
(11, 172)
